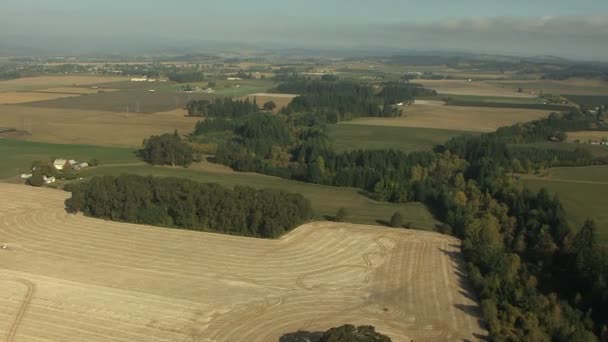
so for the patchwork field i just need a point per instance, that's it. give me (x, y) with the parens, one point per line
(75, 90)
(13, 97)
(582, 191)
(348, 137)
(43, 82)
(459, 118)
(126, 101)
(72, 278)
(72, 126)
(476, 88)
(571, 86)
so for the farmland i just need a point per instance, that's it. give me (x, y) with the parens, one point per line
(18, 156)
(43, 82)
(325, 200)
(73, 126)
(477, 119)
(281, 100)
(582, 191)
(584, 136)
(68, 277)
(126, 101)
(13, 97)
(348, 137)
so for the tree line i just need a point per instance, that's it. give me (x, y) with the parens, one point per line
(222, 108)
(182, 203)
(537, 278)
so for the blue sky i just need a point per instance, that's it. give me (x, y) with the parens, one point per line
(572, 28)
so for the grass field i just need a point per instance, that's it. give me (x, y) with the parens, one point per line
(571, 86)
(68, 277)
(475, 88)
(474, 119)
(508, 88)
(589, 101)
(70, 126)
(583, 192)
(18, 156)
(348, 137)
(75, 90)
(43, 82)
(326, 200)
(126, 101)
(13, 97)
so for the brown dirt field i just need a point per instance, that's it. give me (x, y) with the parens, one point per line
(42, 82)
(472, 119)
(69, 126)
(72, 278)
(584, 136)
(281, 100)
(13, 97)
(477, 88)
(75, 90)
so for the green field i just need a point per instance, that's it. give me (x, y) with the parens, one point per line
(483, 99)
(582, 191)
(589, 101)
(407, 139)
(18, 156)
(326, 200)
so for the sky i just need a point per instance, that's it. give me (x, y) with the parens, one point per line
(573, 28)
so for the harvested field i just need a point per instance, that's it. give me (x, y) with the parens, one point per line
(75, 90)
(585, 136)
(474, 119)
(43, 82)
(69, 126)
(72, 278)
(13, 97)
(126, 101)
(571, 86)
(477, 88)
(281, 100)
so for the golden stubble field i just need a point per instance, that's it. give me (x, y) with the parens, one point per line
(72, 278)
(281, 100)
(471, 119)
(72, 126)
(12, 97)
(42, 82)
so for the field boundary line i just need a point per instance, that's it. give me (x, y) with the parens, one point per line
(31, 289)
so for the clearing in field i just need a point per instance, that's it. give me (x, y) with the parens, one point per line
(281, 100)
(68, 277)
(72, 126)
(13, 97)
(474, 119)
(42, 82)
(582, 191)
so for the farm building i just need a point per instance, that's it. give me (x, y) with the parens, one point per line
(59, 163)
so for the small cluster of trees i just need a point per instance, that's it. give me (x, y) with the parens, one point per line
(182, 203)
(167, 149)
(342, 100)
(186, 76)
(222, 108)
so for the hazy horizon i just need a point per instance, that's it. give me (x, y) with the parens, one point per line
(516, 28)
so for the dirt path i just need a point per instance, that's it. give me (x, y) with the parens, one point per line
(31, 288)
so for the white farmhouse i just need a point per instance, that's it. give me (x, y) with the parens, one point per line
(59, 163)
